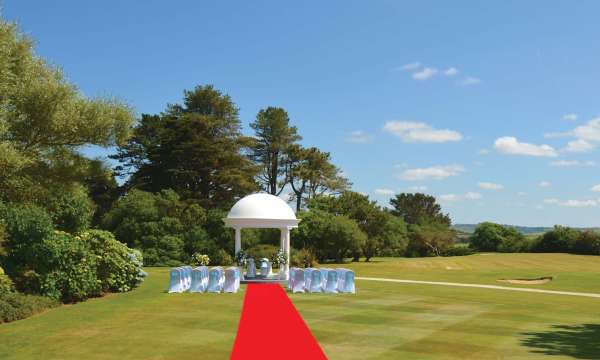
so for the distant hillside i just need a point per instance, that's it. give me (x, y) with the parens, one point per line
(525, 230)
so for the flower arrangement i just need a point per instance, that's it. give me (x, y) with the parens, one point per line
(281, 258)
(241, 258)
(200, 259)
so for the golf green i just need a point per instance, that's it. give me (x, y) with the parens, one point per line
(381, 321)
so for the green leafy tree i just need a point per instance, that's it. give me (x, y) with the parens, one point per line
(559, 239)
(329, 236)
(431, 239)
(44, 119)
(310, 173)
(195, 148)
(489, 236)
(273, 136)
(418, 208)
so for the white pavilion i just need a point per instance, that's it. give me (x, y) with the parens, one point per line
(263, 211)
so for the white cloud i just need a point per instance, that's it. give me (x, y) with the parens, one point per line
(473, 196)
(590, 131)
(425, 74)
(433, 172)
(570, 163)
(579, 203)
(451, 71)
(420, 188)
(596, 188)
(569, 117)
(449, 197)
(572, 202)
(469, 80)
(545, 184)
(490, 186)
(410, 66)
(510, 145)
(359, 137)
(413, 131)
(579, 146)
(384, 191)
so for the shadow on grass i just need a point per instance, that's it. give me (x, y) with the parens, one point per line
(577, 341)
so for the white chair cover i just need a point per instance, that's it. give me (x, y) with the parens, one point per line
(316, 281)
(187, 271)
(291, 277)
(307, 278)
(251, 268)
(175, 281)
(331, 285)
(232, 280)
(341, 277)
(266, 268)
(324, 274)
(349, 282)
(216, 279)
(298, 281)
(199, 279)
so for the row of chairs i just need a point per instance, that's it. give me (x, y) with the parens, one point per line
(266, 268)
(331, 281)
(201, 279)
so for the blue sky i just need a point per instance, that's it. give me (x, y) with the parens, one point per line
(489, 106)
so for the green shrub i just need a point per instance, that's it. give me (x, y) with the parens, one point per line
(559, 239)
(588, 243)
(489, 236)
(458, 251)
(68, 270)
(303, 258)
(25, 227)
(262, 251)
(118, 267)
(71, 209)
(6, 284)
(220, 257)
(15, 306)
(200, 259)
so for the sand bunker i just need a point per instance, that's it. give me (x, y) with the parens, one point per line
(536, 281)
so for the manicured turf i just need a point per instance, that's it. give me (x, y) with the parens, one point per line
(382, 321)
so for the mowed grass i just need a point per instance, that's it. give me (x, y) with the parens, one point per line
(382, 321)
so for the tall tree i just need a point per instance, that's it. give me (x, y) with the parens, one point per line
(310, 173)
(195, 148)
(274, 136)
(43, 121)
(418, 209)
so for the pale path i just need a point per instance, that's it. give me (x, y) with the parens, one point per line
(482, 286)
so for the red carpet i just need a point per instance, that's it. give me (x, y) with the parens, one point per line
(271, 328)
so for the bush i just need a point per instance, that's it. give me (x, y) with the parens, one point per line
(303, 258)
(489, 236)
(25, 228)
(15, 306)
(263, 251)
(118, 267)
(68, 270)
(588, 243)
(559, 239)
(221, 257)
(71, 209)
(458, 251)
(329, 236)
(6, 284)
(200, 259)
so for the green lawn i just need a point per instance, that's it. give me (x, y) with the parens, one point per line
(382, 321)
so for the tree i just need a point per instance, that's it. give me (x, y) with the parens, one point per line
(431, 239)
(195, 149)
(274, 136)
(44, 119)
(381, 228)
(559, 239)
(418, 209)
(311, 173)
(489, 236)
(329, 236)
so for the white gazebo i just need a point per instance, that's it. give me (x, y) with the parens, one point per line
(263, 211)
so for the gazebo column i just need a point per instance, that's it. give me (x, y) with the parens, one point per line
(238, 239)
(287, 252)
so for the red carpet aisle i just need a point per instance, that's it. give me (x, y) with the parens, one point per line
(283, 334)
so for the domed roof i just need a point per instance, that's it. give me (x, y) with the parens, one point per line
(261, 206)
